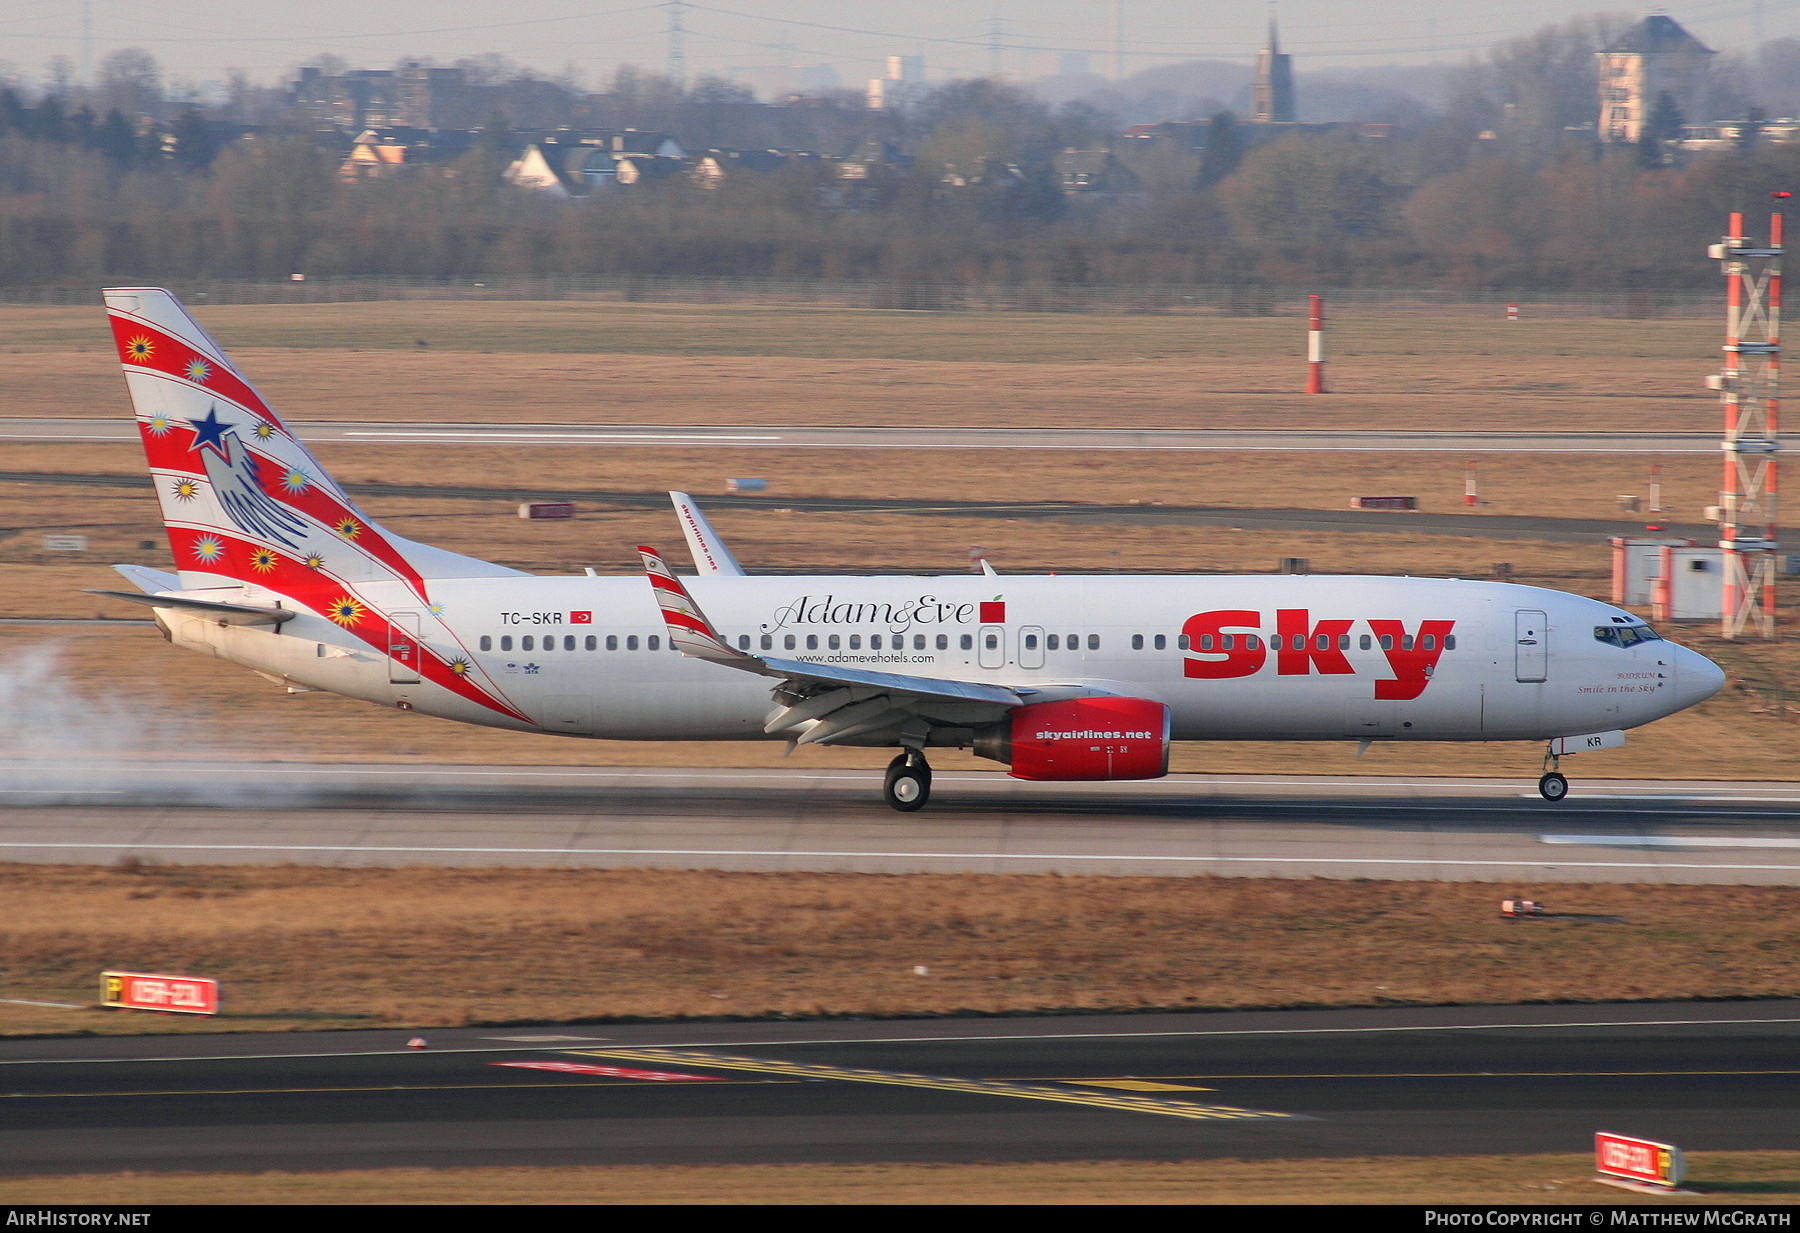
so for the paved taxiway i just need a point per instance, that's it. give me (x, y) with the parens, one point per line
(1433, 1081)
(986, 822)
(377, 432)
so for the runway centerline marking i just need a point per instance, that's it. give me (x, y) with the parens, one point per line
(941, 1083)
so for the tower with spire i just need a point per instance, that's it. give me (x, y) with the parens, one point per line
(1272, 97)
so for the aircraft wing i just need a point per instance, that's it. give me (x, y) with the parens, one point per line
(826, 702)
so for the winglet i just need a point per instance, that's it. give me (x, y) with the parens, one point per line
(689, 630)
(711, 556)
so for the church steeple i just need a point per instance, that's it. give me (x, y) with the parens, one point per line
(1272, 97)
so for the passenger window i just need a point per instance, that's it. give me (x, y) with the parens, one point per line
(1406, 642)
(743, 642)
(1365, 642)
(991, 641)
(1186, 643)
(1093, 642)
(856, 642)
(1387, 642)
(831, 642)
(1031, 642)
(1449, 642)
(568, 642)
(487, 642)
(943, 642)
(593, 643)
(506, 642)
(1343, 642)
(788, 642)
(1137, 642)
(968, 642)
(1429, 642)
(918, 642)
(1162, 642)
(768, 642)
(874, 642)
(631, 642)
(525, 643)
(653, 642)
(612, 642)
(812, 642)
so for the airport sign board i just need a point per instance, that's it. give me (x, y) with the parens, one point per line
(1638, 1160)
(183, 995)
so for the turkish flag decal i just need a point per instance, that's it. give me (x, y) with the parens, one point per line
(581, 618)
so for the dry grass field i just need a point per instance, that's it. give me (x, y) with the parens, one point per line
(708, 364)
(1730, 1177)
(304, 947)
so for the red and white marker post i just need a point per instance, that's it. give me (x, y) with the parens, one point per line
(1315, 345)
(1471, 488)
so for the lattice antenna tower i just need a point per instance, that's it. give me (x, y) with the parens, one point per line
(677, 34)
(1750, 389)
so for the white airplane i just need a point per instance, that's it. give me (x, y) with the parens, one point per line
(1059, 677)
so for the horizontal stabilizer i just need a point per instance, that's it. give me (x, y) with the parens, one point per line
(229, 614)
(149, 581)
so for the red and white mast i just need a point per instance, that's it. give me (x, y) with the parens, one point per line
(1749, 387)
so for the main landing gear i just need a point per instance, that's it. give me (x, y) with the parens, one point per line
(1552, 787)
(908, 783)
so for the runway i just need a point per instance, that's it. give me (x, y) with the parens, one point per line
(982, 822)
(1251, 1085)
(387, 432)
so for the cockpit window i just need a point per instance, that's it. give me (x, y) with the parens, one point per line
(1625, 635)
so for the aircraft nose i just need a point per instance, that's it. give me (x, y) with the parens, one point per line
(1697, 678)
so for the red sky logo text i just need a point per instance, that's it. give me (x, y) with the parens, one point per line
(1231, 642)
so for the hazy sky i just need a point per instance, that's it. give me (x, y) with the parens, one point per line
(761, 40)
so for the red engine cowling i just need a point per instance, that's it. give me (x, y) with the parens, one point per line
(1084, 738)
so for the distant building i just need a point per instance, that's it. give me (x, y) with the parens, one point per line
(1654, 58)
(1272, 97)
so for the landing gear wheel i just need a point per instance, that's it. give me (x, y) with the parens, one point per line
(908, 783)
(1553, 787)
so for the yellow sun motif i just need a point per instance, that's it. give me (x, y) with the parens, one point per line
(264, 431)
(198, 370)
(208, 549)
(459, 667)
(140, 349)
(185, 489)
(262, 560)
(345, 611)
(158, 425)
(295, 480)
(349, 528)
(315, 561)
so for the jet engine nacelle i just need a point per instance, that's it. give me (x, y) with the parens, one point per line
(1083, 738)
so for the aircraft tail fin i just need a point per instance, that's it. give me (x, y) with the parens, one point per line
(244, 501)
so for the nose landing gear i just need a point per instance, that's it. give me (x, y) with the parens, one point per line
(1553, 786)
(908, 783)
